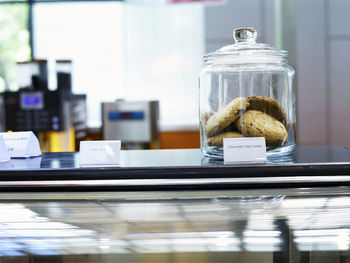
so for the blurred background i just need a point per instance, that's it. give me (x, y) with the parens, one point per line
(77, 70)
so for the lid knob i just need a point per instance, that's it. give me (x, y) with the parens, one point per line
(246, 34)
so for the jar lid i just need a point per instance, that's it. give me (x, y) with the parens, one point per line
(246, 48)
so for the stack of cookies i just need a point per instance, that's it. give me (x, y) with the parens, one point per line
(254, 116)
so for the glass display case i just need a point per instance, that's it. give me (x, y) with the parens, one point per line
(295, 225)
(294, 211)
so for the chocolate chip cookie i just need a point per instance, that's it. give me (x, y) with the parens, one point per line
(225, 116)
(269, 106)
(255, 123)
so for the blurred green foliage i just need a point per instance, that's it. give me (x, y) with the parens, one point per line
(14, 41)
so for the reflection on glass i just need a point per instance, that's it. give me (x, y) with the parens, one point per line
(21, 164)
(322, 239)
(228, 231)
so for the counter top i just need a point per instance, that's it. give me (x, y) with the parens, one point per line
(178, 169)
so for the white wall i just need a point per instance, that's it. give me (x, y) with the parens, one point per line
(222, 19)
(323, 44)
(322, 55)
(311, 73)
(338, 50)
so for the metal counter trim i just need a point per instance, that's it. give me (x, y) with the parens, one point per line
(167, 195)
(154, 183)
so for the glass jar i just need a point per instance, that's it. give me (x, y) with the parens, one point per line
(246, 90)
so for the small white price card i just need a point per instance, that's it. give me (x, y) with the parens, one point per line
(4, 155)
(21, 144)
(248, 149)
(99, 153)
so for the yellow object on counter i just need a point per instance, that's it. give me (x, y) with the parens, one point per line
(57, 141)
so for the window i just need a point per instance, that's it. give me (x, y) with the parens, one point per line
(14, 42)
(90, 34)
(164, 48)
(127, 51)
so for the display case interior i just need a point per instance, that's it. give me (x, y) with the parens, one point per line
(295, 225)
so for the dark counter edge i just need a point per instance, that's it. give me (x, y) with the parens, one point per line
(177, 172)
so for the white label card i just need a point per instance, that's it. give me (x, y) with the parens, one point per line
(21, 144)
(99, 153)
(248, 149)
(4, 155)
